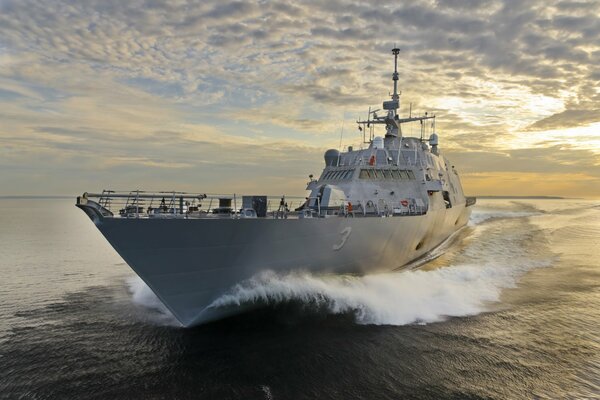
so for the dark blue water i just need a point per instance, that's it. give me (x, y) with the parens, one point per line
(511, 309)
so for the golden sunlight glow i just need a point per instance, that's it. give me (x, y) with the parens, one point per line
(533, 184)
(582, 138)
(516, 105)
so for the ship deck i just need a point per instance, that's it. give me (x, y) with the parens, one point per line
(182, 205)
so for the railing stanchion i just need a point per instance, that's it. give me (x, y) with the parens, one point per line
(234, 205)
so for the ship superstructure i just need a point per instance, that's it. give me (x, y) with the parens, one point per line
(372, 209)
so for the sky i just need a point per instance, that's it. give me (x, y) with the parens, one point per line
(223, 97)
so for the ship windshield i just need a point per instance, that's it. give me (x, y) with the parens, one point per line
(342, 174)
(368, 173)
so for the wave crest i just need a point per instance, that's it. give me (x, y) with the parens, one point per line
(384, 299)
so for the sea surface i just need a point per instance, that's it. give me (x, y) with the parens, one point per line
(509, 309)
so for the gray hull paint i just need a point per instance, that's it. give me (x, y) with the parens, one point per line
(189, 263)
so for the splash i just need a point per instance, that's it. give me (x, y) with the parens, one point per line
(385, 299)
(142, 295)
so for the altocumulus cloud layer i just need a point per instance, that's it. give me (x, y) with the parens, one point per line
(213, 96)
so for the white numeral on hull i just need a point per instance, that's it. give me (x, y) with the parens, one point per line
(345, 233)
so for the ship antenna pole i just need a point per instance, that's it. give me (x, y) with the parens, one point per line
(395, 52)
(395, 97)
(341, 136)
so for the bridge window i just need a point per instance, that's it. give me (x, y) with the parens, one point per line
(369, 173)
(339, 174)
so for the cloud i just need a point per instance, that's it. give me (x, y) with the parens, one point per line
(566, 119)
(104, 86)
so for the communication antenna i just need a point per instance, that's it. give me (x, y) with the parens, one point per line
(421, 122)
(341, 136)
(395, 52)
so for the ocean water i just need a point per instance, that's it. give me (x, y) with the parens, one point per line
(509, 308)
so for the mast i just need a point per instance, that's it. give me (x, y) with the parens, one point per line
(395, 96)
(393, 105)
(391, 120)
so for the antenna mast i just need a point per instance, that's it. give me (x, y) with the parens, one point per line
(395, 52)
(391, 120)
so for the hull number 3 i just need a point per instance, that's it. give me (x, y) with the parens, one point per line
(345, 233)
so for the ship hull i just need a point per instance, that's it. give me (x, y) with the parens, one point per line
(189, 263)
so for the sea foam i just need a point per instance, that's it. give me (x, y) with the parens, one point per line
(479, 216)
(400, 298)
(384, 299)
(143, 296)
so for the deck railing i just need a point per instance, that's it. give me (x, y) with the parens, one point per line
(143, 204)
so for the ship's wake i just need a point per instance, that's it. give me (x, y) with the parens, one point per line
(385, 299)
(398, 298)
(510, 210)
(480, 216)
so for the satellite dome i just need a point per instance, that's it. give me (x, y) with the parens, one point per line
(433, 139)
(332, 157)
(378, 142)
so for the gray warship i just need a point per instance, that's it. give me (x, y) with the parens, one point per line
(372, 209)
